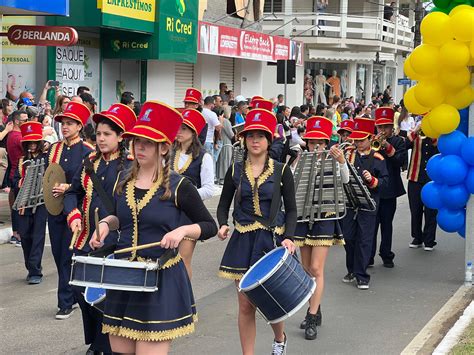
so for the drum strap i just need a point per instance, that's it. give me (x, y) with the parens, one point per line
(104, 197)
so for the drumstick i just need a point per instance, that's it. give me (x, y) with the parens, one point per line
(138, 247)
(96, 219)
(74, 238)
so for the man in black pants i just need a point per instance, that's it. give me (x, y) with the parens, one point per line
(423, 148)
(394, 152)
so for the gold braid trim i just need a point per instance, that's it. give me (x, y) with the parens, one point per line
(256, 226)
(326, 242)
(340, 242)
(190, 239)
(260, 180)
(299, 242)
(171, 262)
(142, 335)
(135, 208)
(186, 164)
(230, 275)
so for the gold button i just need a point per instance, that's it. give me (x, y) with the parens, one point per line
(68, 148)
(103, 178)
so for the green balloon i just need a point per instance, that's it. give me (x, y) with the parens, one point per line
(441, 4)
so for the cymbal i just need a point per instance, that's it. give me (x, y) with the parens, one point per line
(53, 176)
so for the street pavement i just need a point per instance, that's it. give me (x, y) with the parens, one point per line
(381, 320)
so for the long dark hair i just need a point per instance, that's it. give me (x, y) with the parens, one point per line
(195, 147)
(122, 145)
(27, 154)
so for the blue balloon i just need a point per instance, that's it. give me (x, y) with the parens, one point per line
(464, 122)
(453, 169)
(434, 168)
(469, 182)
(431, 195)
(454, 196)
(467, 151)
(451, 220)
(452, 143)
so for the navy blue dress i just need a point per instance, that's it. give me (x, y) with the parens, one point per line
(169, 312)
(251, 240)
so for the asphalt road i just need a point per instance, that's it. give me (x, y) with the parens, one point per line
(382, 320)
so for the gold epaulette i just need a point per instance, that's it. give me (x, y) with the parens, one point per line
(378, 156)
(88, 145)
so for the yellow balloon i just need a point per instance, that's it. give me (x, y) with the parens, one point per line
(412, 105)
(444, 119)
(460, 99)
(435, 29)
(430, 93)
(408, 70)
(427, 129)
(455, 53)
(459, 8)
(425, 60)
(462, 25)
(471, 47)
(455, 78)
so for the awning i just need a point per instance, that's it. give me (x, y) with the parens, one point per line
(341, 56)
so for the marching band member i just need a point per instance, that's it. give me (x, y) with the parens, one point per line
(423, 148)
(193, 100)
(69, 154)
(146, 322)
(359, 226)
(254, 181)
(190, 159)
(110, 158)
(346, 129)
(314, 244)
(393, 150)
(32, 226)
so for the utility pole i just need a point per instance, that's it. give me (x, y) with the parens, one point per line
(419, 12)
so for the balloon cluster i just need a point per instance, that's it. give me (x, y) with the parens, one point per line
(440, 65)
(452, 172)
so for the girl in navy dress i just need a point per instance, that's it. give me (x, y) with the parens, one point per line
(314, 243)
(254, 180)
(82, 199)
(190, 159)
(32, 225)
(149, 202)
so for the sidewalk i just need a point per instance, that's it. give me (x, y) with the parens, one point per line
(5, 229)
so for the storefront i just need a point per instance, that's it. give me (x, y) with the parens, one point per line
(118, 45)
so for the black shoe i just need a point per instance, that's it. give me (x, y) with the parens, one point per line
(350, 277)
(388, 263)
(415, 244)
(319, 317)
(310, 332)
(371, 263)
(64, 313)
(362, 285)
(303, 323)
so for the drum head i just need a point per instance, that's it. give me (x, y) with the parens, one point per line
(263, 269)
(52, 176)
(94, 295)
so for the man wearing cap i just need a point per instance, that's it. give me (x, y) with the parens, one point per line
(193, 99)
(393, 150)
(359, 226)
(69, 154)
(423, 148)
(347, 126)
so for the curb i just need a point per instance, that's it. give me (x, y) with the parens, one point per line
(435, 330)
(5, 234)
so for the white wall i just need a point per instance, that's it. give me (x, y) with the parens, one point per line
(160, 81)
(272, 89)
(206, 74)
(113, 70)
(398, 89)
(248, 77)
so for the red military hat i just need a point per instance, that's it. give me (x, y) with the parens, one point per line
(157, 122)
(347, 125)
(193, 95)
(31, 131)
(363, 128)
(260, 120)
(261, 103)
(318, 127)
(75, 111)
(120, 114)
(384, 115)
(194, 120)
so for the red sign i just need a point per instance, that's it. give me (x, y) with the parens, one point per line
(42, 35)
(237, 43)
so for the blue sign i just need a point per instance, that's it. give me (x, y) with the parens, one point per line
(50, 7)
(404, 81)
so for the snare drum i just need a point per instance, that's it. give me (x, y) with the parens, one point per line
(277, 285)
(95, 297)
(114, 274)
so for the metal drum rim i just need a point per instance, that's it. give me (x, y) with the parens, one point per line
(124, 263)
(270, 274)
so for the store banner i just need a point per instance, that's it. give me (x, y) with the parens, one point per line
(238, 43)
(18, 62)
(177, 30)
(129, 46)
(136, 15)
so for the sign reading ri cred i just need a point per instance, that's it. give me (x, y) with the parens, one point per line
(42, 35)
